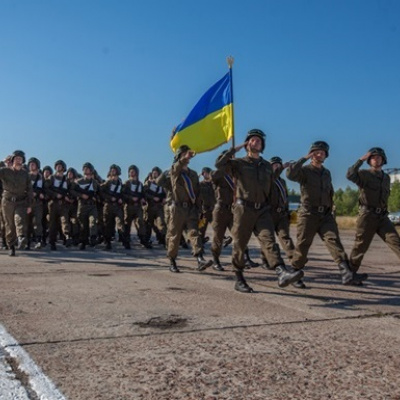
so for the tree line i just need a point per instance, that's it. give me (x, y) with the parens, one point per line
(346, 201)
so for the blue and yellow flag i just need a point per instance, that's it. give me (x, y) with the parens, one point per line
(210, 123)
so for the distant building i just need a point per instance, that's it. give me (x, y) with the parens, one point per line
(394, 174)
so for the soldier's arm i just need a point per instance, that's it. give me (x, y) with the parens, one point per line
(353, 173)
(295, 171)
(225, 161)
(48, 187)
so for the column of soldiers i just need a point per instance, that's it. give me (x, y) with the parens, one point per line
(245, 195)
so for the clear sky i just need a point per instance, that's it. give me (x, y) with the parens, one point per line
(106, 81)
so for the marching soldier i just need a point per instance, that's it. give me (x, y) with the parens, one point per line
(86, 190)
(134, 201)
(35, 227)
(2, 223)
(154, 210)
(47, 173)
(57, 190)
(374, 186)
(315, 214)
(113, 212)
(72, 206)
(184, 209)
(16, 201)
(207, 196)
(251, 213)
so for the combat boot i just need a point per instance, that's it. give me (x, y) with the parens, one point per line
(348, 277)
(68, 241)
(217, 265)
(12, 251)
(173, 267)
(53, 246)
(93, 241)
(241, 284)
(39, 243)
(82, 246)
(108, 245)
(22, 242)
(202, 264)
(227, 241)
(248, 262)
(356, 275)
(286, 275)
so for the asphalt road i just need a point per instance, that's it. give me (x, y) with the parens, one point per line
(119, 325)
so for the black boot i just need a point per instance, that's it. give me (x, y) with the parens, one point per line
(39, 243)
(356, 275)
(299, 284)
(241, 285)
(108, 245)
(53, 246)
(12, 251)
(217, 265)
(249, 263)
(286, 275)
(227, 241)
(347, 274)
(82, 246)
(93, 241)
(202, 264)
(173, 267)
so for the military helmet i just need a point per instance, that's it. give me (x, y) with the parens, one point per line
(116, 167)
(157, 169)
(18, 153)
(259, 133)
(88, 165)
(320, 145)
(206, 170)
(377, 151)
(181, 149)
(48, 168)
(276, 160)
(74, 171)
(62, 163)
(2, 164)
(133, 167)
(35, 161)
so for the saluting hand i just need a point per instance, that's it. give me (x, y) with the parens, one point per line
(365, 156)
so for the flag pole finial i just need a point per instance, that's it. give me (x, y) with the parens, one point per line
(230, 61)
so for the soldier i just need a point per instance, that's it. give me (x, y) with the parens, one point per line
(57, 190)
(251, 212)
(35, 218)
(134, 201)
(113, 212)
(374, 186)
(2, 223)
(184, 211)
(47, 172)
(16, 201)
(86, 190)
(154, 210)
(72, 206)
(315, 214)
(207, 196)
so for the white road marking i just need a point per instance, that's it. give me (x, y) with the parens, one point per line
(39, 383)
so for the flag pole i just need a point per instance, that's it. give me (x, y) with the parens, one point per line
(230, 61)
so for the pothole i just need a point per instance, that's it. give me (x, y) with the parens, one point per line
(168, 322)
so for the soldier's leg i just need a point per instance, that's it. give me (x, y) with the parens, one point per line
(65, 223)
(389, 235)
(282, 229)
(221, 220)
(93, 224)
(177, 221)
(37, 213)
(53, 222)
(129, 213)
(307, 227)
(8, 209)
(21, 224)
(83, 224)
(367, 225)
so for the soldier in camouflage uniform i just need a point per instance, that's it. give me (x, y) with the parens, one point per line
(251, 212)
(2, 223)
(184, 211)
(154, 209)
(47, 173)
(207, 196)
(57, 190)
(315, 214)
(16, 201)
(72, 206)
(134, 201)
(374, 186)
(113, 212)
(86, 190)
(35, 218)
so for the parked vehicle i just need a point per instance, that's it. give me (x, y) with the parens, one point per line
(395, 217)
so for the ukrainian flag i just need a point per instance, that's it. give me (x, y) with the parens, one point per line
(210, 123)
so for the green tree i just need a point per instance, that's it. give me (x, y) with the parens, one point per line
(394, 198)
(346, 201)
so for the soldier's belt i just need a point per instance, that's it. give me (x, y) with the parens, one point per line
(376, 210)
(251, 204)
(15, 199)
(318, 209)
(183, 204)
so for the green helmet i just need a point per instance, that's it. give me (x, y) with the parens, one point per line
(157, 169)
(48, 168)
(377, 151)
(182, 149)
(62, 163)
(74, 172)
(276, 160)
(88, 165)
(18, 153)
(320, 145)
(35, 161)
(206, 170)
(116, 167)
(259, 133)
(133, 167)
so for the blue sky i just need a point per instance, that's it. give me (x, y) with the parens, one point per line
(106, 81)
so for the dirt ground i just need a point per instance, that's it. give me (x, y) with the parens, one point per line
(118, 325)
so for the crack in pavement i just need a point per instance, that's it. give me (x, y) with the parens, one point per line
(195, 330)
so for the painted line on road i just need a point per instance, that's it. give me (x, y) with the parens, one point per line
(43, 387)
